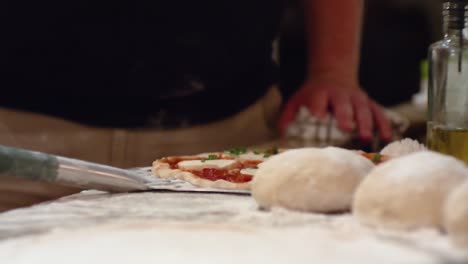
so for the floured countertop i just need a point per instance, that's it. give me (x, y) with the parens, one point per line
(191, 227)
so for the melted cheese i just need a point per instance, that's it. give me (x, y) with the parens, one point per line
(248, 171)
(199, 165)
(252, 156)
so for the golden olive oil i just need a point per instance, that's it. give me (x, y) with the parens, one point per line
(449, 141)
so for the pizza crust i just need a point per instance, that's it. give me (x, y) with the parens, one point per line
(163, 170)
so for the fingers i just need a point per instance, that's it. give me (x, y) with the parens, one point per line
(318, 104)
(350, 108)
(289, 113)
(363, 113)
(382, 122)
(344, 113)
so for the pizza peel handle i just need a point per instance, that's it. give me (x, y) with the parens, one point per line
(39, 166)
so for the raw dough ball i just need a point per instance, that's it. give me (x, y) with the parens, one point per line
(310, 179)
(408, 192)
(456, 215)
(403, 147)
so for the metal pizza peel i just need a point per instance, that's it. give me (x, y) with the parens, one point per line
(38, 166)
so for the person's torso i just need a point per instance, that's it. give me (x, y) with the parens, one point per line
(151, 50)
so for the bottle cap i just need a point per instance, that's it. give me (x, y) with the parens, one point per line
(455, 12)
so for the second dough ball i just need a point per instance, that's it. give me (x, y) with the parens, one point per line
(310, 179)
(408, 192)
(456, 215)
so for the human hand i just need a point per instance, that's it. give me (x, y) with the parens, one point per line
(349, 104)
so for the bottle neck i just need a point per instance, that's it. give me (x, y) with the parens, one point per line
(456, 34)
(455, 18)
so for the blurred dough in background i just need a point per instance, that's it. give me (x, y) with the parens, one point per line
(308, 130)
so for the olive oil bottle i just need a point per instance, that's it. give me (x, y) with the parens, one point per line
(449, 141)
(447, 129)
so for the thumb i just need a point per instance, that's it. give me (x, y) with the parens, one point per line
(288, 114)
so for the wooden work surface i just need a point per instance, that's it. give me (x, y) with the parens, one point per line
(188, 227)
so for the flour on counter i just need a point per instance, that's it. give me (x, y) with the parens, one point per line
(176, 227)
